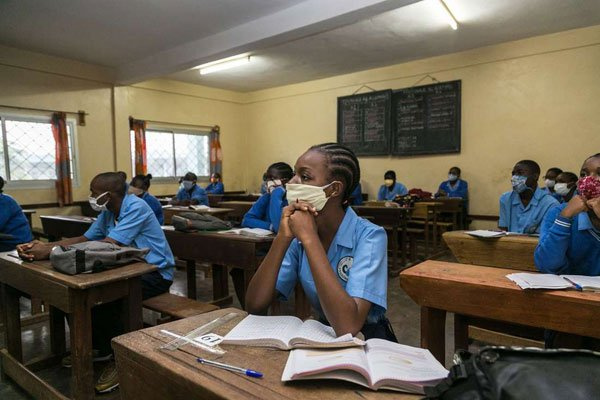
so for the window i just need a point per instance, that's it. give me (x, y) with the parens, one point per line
(27, 151)
(171, 153)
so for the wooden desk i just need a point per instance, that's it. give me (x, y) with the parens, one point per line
(148, 373)
(485, 292)
(168, 212)
(515, 252)
(67, 295)
(65, 226)
(240, 208)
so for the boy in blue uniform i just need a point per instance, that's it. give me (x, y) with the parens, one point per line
(391, 189)
(215, 186)
(139, 187)
(523, 208)
(190, 193)
(13, 223)
(125, 220)
(339, 258)
(454, 186)
(550, 181)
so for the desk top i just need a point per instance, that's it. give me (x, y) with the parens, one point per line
(70, 218)
(210, 210)
(25, 211)
(236, 203)
(173, 234)
(141, 348)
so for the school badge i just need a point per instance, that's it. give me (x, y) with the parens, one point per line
(343, 267)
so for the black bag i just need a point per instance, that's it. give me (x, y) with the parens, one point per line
(514, 373)
(189, 221)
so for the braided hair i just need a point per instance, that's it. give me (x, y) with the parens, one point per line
(342, 165)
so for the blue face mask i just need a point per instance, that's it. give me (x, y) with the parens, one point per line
(519, 183)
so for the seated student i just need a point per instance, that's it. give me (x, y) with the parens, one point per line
(13, 223)
(523, 208)
(390, 189)
(190, 193)
(215, 186)
(454, 186)
(566, 186)
(356, 198)
(550, 181)
(125, 220)
(139, 187)
(570, 238)
(266, 211)
(339, 258)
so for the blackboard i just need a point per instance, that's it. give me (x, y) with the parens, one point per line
(426, 119)
(364, 122)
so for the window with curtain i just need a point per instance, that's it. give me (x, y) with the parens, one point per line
(27, 151)
(173, 152)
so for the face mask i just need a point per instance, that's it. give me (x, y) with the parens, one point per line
(94, 202)
(589, 187)
(388, 182)
(452, 177)
(135, 191)
(518, 183)
(562, 189)
(187, 185)
(549, 183)
(272, 184)
(314, 195)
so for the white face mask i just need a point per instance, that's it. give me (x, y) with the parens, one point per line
(452, 177)
(187, 185)
(272, 184)
(562, 189)
(549, 183)
(94, 202)
(314, 195)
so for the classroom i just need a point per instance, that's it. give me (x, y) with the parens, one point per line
(238, 160)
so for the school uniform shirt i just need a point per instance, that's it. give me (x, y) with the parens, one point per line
(553, 194)
(460, 189)
(215, 188)
(196, 193)
(155, 206)
(568, 245)
(517, 218)
(397, 190)
(358, 257)
(263, 188)
(265, 213)
(13, 222)
(357, 196)
(136, 226)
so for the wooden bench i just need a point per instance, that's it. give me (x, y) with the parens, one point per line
(176, 307)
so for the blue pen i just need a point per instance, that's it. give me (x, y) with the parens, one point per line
(578, 287)
(247, 372)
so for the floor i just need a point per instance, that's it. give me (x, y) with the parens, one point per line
(402, 312)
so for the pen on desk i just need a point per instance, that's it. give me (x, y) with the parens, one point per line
(578, 287)
(247, 372)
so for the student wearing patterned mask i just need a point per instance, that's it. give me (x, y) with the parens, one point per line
(524, 207)
(339, 258)
(454, 186)
(566, 186)
(139, 187)
(190, 193)
(390, 188)
(550, 181)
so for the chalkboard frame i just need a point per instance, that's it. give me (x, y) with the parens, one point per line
(363, 148)
(457, 123)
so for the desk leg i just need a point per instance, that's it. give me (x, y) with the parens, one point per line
(57, 331)
(12, 321)
(190, 269)
(433, 328)
(461, 332)
(395, 249)
(82, 379)
(220, 285)
(404, 244)
(132, 306)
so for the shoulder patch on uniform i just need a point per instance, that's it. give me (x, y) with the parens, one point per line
(343, 267)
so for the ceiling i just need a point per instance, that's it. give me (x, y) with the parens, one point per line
(290, 40)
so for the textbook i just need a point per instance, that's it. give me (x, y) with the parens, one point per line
(287, 332)
(249, 232)
(380, 364)
(482, 233)
(551, 281)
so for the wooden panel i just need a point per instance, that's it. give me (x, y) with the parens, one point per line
(177, 306)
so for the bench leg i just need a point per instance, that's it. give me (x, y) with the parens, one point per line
(190, 270)
(461, 332)
(12, 321)
(433, 328)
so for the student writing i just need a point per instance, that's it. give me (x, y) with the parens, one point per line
(139, 186)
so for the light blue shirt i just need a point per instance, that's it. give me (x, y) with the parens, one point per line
(215, 188)
(137, 226)
(358, 257)
(517, 218)
(397, 190)
(196, 193)
(459, 189)
(555, 195)
(155, 206)
(265, 213)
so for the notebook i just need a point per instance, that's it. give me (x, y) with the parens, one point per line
(380, 364)
(249, 232)
(482, 233)
(287, 332)
(551, 281)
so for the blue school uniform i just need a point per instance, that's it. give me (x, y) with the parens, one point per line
(357, 196)
(568, 245)
(266, 211)
(553, 194)
(138, 227)
(215, 188)
(155, 206)
(397, 190)
(196, 193)
(13, 222)
(358, 257)
(517, 218)
(460, 189)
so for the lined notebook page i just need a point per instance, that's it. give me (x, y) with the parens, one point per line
(261, 327)
(317, 332)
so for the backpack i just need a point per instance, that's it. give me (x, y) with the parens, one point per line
(93, 256)
(188, 221)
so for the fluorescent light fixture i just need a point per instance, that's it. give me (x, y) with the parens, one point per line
(448, 15)
(224, 64)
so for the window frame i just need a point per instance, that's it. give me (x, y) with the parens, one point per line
(37, 183)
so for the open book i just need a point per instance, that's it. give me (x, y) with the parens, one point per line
(249, 232)
(379, 365)
(198, 207)
(482, 233)
(551, 281)
(286, 332)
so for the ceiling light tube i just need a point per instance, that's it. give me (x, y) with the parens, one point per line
(448, 15)
(224, 65)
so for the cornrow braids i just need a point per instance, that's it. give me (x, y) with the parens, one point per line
(343, 165)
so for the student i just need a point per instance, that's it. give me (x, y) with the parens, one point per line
(190, 193)
(266, 211)
(570, 238)
(390, 189)
(550, 181)
(566, 186)
(454, 186)
(139, 187)
(215, 186)
(13, 223)
(356, 198)
(125, 220)
(339, 258)
(523, 208)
